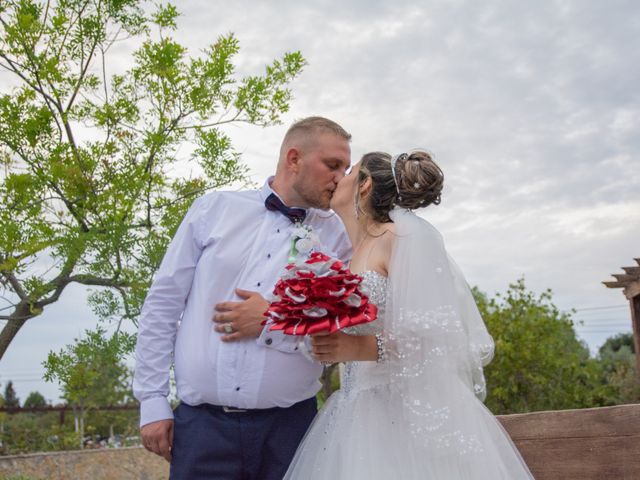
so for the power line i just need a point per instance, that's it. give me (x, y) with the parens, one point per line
(607, 320)
(20, 371)
(26, 380)
(606, 307)
(603, 328)
(601, 320)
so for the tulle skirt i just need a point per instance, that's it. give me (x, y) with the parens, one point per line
(361, 434)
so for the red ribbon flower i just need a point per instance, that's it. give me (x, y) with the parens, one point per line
(319, 295)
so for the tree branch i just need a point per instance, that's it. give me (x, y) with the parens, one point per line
(37, 87)
(36, 169)
(15, 284)
(235, 119)
(17, 319)
(83, 72)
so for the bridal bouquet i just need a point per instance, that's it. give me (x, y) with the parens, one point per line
(319, 294)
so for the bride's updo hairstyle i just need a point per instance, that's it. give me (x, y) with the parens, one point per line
(417, 182)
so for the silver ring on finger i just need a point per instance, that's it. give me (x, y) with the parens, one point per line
(228, 328)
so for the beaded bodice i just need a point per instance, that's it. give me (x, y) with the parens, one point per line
(375, 286)
(358, 376)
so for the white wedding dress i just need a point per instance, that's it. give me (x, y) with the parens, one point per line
(415, 415)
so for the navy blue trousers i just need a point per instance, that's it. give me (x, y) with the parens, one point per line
(209, 443)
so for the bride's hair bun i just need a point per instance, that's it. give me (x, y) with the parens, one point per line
(420, 180)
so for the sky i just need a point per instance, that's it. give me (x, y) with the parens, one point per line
(532, 109)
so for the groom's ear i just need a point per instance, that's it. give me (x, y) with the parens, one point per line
(293, 158)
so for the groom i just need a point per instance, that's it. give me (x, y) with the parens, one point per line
(246, 395)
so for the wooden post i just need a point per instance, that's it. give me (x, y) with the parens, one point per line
(635, 319)
(630, 282)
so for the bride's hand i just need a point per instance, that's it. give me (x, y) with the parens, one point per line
(340, 347)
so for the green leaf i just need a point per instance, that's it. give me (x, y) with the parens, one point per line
(165, 16)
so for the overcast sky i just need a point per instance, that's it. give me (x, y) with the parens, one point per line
(532, 109)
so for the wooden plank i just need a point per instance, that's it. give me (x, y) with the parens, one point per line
(623, 277)
(632, 271)
(582, 458)
(586, 444)
(637, 260)
(587, 422)
(613, 284)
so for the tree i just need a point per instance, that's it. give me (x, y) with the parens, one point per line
(621, 343)
(10, 397)
(92, 372)
(35, 400)
(93, 185)
(539, 362)
(617, 356)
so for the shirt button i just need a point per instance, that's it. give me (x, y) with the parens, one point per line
(268, 255)
(237, 389)
(268, 341)
(278, 231)
(258, 284)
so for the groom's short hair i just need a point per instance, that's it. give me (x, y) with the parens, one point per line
(303, 133)
(312, 125)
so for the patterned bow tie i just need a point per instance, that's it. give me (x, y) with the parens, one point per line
(273, 203)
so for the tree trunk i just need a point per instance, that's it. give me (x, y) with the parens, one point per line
(19, 317)
(81, 428)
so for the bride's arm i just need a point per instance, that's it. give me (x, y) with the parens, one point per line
(340, 347)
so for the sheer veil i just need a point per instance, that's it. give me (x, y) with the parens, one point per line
(436, 341)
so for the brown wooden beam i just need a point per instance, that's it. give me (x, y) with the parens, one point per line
(635, 320)
(632, 290)
(612, 284)
(632, 271)
(623, 277)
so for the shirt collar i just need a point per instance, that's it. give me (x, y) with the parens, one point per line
(266, 190)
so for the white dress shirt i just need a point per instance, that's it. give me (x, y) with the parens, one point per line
(227, 240)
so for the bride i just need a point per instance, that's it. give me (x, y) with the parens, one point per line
(410, 406)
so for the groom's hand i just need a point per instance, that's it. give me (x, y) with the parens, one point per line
(157, 437)
(238, 320)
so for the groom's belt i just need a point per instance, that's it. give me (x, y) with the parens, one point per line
(259, 411)
(226, 409)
